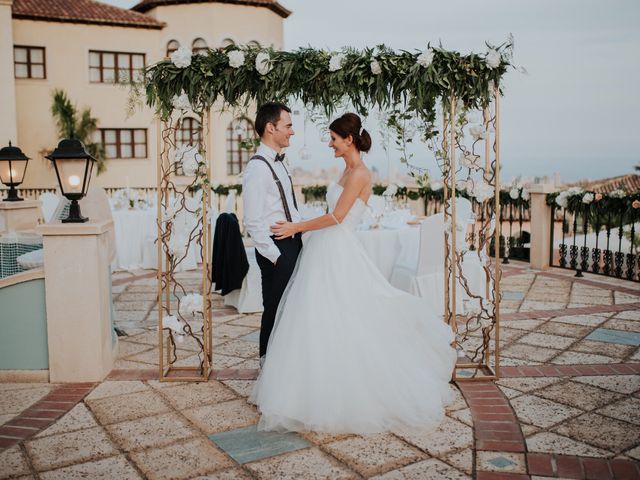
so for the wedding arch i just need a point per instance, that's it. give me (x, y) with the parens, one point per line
(441, 90)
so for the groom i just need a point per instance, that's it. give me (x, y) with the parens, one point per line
(268, 196)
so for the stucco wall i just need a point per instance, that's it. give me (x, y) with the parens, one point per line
(67, 63)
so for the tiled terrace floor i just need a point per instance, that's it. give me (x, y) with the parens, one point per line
(567, 405)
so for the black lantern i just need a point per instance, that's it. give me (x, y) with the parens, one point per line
(73, 166)
(13, 164)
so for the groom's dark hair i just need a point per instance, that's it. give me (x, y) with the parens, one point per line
(269, 113)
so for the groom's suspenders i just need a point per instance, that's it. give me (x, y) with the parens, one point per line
(287, 212)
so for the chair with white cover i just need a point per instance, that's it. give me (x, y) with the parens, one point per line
(376, 204)
(230, 202)
(48, 203)
(426, 278)
(248, 298)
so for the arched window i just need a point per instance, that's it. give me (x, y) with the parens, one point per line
(188, 132)
(199, 46)
(226, 42)
(241, 144)
(254, 43)
(172, 46)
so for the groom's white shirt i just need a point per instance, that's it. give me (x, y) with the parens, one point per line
(262, 202)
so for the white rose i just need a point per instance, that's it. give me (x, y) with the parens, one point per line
(469, 160)
(169, 213)
(190, 163)
(181, 58)
(263, 63)
(236, 58)
(493, 58)
(524, 194)
(336, 61)
(181, 102)
(177, 245)
(391, 190)
(514, 193)
(425, 58)
(483, 191)
(173, 323)
(478, 132)
(191, 303)
(587, 198)
(575, 191)
(618, 193)
(561, 200)
(376, 69)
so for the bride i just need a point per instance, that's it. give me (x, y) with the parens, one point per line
(349, 352)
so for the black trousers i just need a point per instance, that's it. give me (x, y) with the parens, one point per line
(274, 281)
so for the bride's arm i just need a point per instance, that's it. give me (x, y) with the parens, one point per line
(352, 188)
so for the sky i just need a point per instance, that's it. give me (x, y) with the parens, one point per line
(576, 111)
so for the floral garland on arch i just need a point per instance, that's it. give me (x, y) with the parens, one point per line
(380, 77)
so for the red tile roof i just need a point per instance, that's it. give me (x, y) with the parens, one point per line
(273, 5)
(630, 183)
(81, 11)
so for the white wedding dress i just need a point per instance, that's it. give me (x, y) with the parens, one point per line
(349, 352)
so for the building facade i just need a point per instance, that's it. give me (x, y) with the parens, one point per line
(88, 48)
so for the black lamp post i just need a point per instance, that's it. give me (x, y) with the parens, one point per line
(73, 166)
(13, 164)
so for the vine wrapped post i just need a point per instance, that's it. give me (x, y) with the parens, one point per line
(184, 315)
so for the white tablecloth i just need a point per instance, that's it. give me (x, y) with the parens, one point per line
(385, 246)
(136, 232)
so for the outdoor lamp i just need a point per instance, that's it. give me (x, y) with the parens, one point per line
(73, 165)
(13, 164)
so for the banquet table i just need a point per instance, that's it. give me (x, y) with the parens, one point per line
(136, 247)
(386, 246)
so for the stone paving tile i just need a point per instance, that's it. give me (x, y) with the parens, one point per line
(241, 387)
(608, 349)
(527, 325)
(462, 460)
(464, 416)
(149, 338)
(239, 348)
(622, 337)
(4, 418)
(195, 395)
(225, 361)
(182, 460)
(13, 462)
(15, 401)
(616, 383)
(510, 393)
(501, 462)
(222, 416)
(431, 469)
(322, 438)
(578, 395)
(309, 463)
(585, 320)
(564, 329)
(515, 362)
(545, 340)
(78, 418)
(228, 474)
(577, 358)
(622, 325)
(105, 469)
(7, 386)
(138, 305)
(529, 352)
(127, 407)
(248, 444)
(548, 442)
(450, 435)
(627, 409)
(127, 349)
(130, 315)
(150, 431)
(111, 388)
(601, 431)
(247, 321)
(542, 412)
(629, 315)
(528, 306)
(150, 356)
(634, 453)
(229, 331)
(527, 384)
(374, 454)
(68, 448)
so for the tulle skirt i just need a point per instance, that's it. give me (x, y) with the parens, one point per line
(349, 352)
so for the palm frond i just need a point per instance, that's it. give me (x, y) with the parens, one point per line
(64, 114)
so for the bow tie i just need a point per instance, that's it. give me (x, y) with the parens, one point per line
(279, 157)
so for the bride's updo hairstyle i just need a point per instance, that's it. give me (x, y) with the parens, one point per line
(350, 124)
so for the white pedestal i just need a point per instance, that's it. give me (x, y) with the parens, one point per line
(82, 346)
(19, 216)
